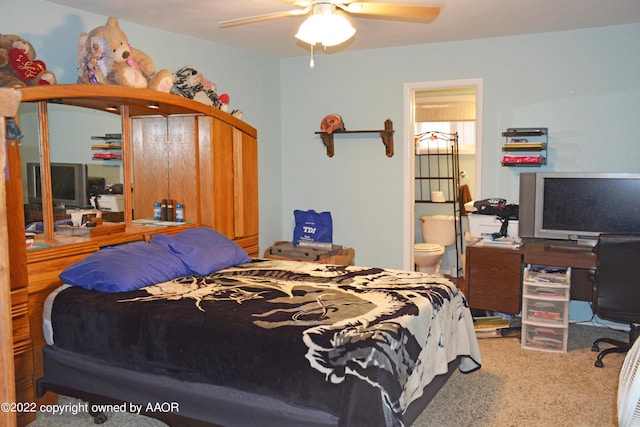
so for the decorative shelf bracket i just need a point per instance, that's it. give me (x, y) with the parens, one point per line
(386, 134)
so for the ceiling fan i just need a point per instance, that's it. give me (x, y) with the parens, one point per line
(410, 13)
(327, 24)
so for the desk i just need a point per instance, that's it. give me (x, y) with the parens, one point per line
(493, 276)
(33, 212)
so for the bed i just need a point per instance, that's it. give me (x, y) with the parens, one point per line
(261, 342)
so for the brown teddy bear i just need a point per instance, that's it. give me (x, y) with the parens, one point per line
(106, 57)
(18, 64)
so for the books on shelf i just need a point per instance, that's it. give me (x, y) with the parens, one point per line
(525, 145)
(107, 156)
(110, 141)
(109, 136)
(108, 146)
(524, 159)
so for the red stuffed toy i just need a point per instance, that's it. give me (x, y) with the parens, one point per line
(18, 66)
(30, 71)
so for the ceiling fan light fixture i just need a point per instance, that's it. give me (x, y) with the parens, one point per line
(329, 29)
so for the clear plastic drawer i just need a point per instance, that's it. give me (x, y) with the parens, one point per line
(545, 311)
(547, 275)
(545, 338)
(545, 291)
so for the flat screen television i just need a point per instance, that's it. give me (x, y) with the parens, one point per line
(578, 207)
(68, 184)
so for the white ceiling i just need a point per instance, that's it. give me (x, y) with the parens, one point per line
(458, 20)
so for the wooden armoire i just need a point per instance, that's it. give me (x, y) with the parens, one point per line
(172, 147)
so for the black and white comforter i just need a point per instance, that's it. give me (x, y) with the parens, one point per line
(307, 333)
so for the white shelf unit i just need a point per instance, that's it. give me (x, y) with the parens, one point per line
(545, 308)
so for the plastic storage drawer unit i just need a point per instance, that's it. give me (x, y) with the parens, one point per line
(545, 308)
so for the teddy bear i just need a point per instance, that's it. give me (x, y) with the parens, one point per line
(18, 64)
(106, 57)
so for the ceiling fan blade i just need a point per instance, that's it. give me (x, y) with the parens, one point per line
(261, 18)
(424, 14)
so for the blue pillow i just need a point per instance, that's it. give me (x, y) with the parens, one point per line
(203, 249)
(125, 268)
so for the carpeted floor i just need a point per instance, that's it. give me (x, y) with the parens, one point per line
(514, 387)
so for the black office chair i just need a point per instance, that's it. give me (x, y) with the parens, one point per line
(616, 290)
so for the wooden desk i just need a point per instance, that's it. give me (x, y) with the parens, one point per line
(493, 277)
(33, 213)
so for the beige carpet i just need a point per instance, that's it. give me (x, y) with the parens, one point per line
(518, 387)
(514, 387)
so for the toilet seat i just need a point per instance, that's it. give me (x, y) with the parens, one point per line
(427, 247)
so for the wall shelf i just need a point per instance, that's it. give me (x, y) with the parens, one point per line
(528, 145)
(110, 146)
(386, 134)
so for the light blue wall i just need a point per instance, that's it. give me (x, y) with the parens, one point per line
(251, 80)
(583, 85)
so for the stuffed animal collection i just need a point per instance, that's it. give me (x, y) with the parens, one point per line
(18, 64)
(105, 56)
(190, 83)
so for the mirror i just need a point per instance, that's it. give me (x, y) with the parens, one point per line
(76, 173)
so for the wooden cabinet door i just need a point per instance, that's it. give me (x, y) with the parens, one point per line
(165, 164)
(228, 179)
(494, 279)
(245, 188)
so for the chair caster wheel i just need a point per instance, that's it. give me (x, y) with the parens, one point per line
(595, 347)
(599, 364)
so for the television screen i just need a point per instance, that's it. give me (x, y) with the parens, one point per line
(68, 184)
(63, 182)
(591, 204)
(580, 206)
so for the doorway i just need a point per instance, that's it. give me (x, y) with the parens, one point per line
(412, 92)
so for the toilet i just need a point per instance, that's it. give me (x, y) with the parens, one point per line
(438, 232)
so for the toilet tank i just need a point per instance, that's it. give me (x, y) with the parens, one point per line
(438, 229)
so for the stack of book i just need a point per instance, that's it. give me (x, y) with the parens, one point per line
(491, 326)
(500, 242)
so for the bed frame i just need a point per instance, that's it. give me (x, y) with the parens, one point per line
(199, 404)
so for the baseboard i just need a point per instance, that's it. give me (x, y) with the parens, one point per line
(623, 327)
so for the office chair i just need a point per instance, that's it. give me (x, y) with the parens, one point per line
(616, 290)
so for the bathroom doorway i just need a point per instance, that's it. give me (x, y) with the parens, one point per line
(435, 102)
